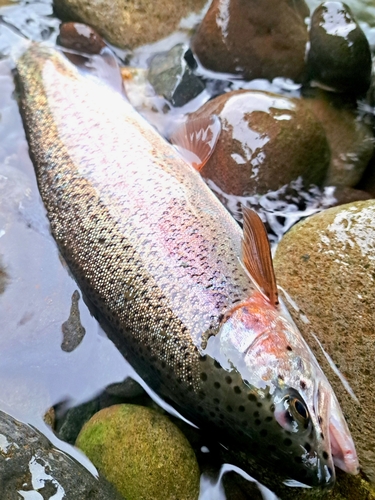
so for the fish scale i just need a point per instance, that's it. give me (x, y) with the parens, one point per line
(159, 258)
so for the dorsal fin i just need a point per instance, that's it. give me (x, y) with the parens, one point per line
(256, 255)
(196, 139)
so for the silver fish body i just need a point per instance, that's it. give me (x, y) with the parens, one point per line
(159, 259)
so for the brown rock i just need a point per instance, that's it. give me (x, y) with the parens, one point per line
(266, 141)
(254, 39)
(351, 140)
(327, 265)
(344, 195)
(128, 23)
(80, 37)
(368, 180)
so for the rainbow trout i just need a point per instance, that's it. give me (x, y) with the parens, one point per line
(189, 300)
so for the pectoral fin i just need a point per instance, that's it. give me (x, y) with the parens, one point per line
(196, 139)
(256, 255)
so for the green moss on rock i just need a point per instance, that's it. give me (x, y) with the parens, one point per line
(142, 453)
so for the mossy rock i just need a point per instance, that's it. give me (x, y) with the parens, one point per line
(142, 453)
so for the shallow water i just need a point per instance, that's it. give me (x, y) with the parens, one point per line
(35, 372)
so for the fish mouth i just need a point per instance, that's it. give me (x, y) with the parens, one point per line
(342, 446)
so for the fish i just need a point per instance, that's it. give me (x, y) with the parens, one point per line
(188, 297)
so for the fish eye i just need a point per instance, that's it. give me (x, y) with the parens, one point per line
(292, 414)
(299, 409)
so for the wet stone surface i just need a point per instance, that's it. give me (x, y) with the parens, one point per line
(30, 467)
(171, 76)
(80, 37)
(266, 141)
(339, 56)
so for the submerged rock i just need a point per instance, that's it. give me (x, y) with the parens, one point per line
(339, 57)
(142, 453)
(254, 39)
(30, 467)
(72, 329)
(351, 139)
(266, 141)
(128, 23)
(172, 78)
(80, 37)
(327, 266)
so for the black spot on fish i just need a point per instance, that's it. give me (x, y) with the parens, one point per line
(212, 414)
(259, 405)
(325, 455)
(203, 376)
(289, 348)
(217, 385)
(320, 420)
(217, 364)
(281, 377)
(307, 447)
(263, 432)
(237, 390)
(302, 384)
(287, 442)
(257, 421)
(269, 419)
(203, 358)
(322, 435)
(256, 413)
(251, 397)
(241, 409)
(228, 379)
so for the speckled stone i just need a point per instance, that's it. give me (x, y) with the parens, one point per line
(266, 141)
(128, 24)
(327, 265)
(142, 453)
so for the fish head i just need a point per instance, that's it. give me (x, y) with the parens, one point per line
(302, 427)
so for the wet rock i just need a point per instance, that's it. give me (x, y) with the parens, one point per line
(266, 142)
(3, 279)
(172, 78)
(80, 37)
(343, 195)
(127, 389)
(339, 57)
(71, 423)
(72, 329)
(142, 453)
(350, 138)
(327, 265)
(368, 179)
(254, 39)
(128, 24)
(30, 467)
(49, 417)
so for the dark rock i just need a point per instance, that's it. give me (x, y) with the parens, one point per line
(266, 141)
(345, 195)
(171, 76)
(80, 37)
(72, 329)
(127, 389)
(367, 182)
(351, 140)
(339, 57)
(30, 465)
(128, 23)
(70, 424)
(254, 39)
(326, 264)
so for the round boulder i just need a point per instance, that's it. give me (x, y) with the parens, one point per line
(128, 23)
(266, 141)
(142, 453)
(254, 39)
(327, 266)
(339, 57)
